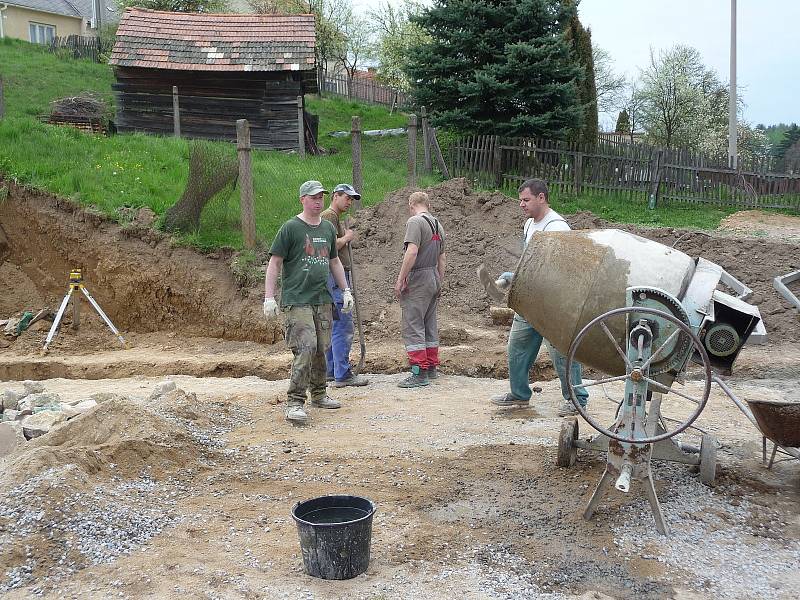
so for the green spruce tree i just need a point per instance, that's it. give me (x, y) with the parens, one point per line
(790, 137)
(498, 67)
(580, 40)
(623, 123)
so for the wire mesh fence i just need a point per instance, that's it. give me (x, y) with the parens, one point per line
(277, 176)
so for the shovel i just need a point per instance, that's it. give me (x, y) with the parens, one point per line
(356, 370)
(488, 282)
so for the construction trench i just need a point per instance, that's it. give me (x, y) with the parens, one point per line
(186, 492)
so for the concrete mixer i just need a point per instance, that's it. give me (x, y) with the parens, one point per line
(638, 312)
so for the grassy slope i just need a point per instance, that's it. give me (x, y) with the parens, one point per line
(139, 170)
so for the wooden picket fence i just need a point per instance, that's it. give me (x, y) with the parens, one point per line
(366, 90)
(637, 171)
(77, 46)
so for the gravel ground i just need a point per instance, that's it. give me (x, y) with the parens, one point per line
(470, 505)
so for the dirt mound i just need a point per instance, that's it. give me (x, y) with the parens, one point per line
(486, 228)
(119, 437)
(137, 276)
(763, 224)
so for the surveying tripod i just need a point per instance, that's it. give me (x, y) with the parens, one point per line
(76, 283)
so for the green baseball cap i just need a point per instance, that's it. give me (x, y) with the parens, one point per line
(311, 188)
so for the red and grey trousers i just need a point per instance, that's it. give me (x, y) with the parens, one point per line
(420, 331)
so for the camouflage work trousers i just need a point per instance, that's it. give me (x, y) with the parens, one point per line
(308, 335)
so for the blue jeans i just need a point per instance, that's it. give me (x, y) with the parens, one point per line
(337, 356)
(524, 343)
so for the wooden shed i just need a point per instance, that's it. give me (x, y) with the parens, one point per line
(225, 67)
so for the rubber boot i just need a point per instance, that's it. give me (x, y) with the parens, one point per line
(418, 378)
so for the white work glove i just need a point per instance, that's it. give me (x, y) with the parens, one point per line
(270, 308)
(347, 301)
(504, 280)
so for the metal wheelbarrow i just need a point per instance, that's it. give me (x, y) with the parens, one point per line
(777, 421)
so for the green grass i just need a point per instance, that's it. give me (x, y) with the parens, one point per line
(625, 210)
(141, 170)
(33, 77)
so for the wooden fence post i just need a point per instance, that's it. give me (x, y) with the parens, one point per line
(497, 162)
(578, 172)
(245, 184)
(655, 181)
(358, 174)
(437, 151)
(176, 112)
(301, 129)
(412, 150)
(426, 142)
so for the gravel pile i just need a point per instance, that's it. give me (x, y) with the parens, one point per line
(63, 534)
(727, 549)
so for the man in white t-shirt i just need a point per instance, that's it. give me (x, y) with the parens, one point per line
(524, 341)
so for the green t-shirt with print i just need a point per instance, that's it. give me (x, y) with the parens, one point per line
(306, 251)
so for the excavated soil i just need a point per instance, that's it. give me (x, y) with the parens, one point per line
(189, 494)
(140, 279)
(486, 228)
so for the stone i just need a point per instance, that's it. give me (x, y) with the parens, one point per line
(162, 388)
(145, 216)
(501, 315)
(9, 400)
(40, 423)
(42, 400)
(101, 397)
(32, 387)
(11, 415)
(83, 406)
(11, 438)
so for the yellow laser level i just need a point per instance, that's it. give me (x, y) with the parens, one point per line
(75, 284)
(76, 278)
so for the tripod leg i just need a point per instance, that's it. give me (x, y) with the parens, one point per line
(76, 312)
(57, 320)
(600, 490)
(655, 505)
(102, 314)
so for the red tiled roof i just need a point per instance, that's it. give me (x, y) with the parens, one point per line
(214, 42)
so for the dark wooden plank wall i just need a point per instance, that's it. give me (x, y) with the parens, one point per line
(210, 104)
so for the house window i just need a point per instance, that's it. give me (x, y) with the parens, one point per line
(42, 34)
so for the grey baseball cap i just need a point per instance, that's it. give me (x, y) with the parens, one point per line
(310, 188)
(347, 189)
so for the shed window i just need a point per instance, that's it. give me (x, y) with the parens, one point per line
(41, 33)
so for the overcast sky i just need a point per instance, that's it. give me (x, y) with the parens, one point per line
(768, 43)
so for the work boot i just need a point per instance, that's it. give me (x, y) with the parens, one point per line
(567, 409)
(433, 372)
(353, 380)
(296, 414)
(418, 378)
(508, 400)
(326, 402)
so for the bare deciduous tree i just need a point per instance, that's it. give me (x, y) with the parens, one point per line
(610, 85)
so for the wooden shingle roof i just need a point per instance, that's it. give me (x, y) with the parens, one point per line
(214, 42)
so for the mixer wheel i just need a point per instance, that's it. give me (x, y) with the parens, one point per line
(567, 451)
(708, 458)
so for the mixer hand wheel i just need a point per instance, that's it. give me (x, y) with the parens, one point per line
(640, 372)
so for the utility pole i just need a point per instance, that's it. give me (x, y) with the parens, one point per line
(732, 126)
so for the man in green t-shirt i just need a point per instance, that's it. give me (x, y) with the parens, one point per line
(305, 250)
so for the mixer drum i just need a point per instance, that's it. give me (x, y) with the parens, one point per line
(565, 279)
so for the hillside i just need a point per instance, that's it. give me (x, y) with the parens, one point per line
(140, 170)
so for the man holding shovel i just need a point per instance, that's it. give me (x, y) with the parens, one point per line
(337, 357)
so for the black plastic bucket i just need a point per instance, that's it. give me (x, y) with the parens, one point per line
(335, 533)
